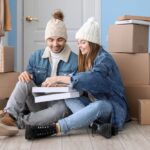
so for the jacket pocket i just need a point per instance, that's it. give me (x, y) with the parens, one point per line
(40, 75)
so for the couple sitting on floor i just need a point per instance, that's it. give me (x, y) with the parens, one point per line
(102, 106)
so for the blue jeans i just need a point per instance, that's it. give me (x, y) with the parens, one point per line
(84, 113)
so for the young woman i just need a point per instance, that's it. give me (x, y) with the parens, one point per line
(103, 102)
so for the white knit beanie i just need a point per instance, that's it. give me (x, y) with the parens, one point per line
(89, 31)
(56, 26)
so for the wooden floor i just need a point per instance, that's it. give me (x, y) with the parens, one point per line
(133, 137)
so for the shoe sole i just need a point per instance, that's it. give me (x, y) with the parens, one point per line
(8, 130)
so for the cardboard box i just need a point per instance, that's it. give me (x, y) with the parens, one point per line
(6, 59)
(7, 83)
(3, 103)
(144, 111)
(133, 94)
(128, 17)
(128, 38)
(134, 68)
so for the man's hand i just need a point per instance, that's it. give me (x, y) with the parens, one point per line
(51, 81)
(25, 77)
(55, 81)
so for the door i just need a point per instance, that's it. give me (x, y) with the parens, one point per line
(76, 13)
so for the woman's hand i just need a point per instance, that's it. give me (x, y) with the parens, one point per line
(25, 77)
(54, 81)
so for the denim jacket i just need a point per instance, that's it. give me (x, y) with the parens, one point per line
(40, 67)
(103, 81)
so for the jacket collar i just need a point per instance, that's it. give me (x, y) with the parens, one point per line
(63, 55)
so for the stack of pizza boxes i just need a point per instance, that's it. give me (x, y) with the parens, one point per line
(128, 44)
(8, 77)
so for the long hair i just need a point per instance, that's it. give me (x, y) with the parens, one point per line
(86, 61)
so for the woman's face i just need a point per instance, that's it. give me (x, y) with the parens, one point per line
(83, 46)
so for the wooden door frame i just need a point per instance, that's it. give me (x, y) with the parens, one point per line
(20, 34)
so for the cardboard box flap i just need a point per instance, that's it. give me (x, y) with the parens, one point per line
(128, 17)
(128, 38)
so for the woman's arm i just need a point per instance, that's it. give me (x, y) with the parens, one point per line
(95, 80)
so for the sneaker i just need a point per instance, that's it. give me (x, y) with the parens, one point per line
(8, 125)
(33, 132)
(8, 130)
(107, 130)
(8, 120)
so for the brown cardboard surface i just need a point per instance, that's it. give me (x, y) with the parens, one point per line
(144, 111)
(6, 59)
(134, 68)
(128, 38)
(134, 93)
(3, 103)
(128, 17)
(7, 83)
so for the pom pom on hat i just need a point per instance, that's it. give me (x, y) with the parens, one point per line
(58, 14)
(56, 26)
(89, 31)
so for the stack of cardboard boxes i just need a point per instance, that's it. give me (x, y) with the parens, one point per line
(128, 44)
(8, 77)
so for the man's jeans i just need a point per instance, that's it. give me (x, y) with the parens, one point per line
(84, 114)
(40, 113)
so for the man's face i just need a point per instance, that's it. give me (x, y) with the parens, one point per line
(56, 44)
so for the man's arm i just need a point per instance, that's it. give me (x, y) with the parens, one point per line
(53, 81)
(25, 77)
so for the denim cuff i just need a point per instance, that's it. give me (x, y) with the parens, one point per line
(63, 126)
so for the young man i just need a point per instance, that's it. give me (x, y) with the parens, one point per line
(55, 59)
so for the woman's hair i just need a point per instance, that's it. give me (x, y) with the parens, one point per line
(86, 61)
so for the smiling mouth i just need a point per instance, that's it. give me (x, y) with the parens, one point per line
(82, 50)
(56, 48)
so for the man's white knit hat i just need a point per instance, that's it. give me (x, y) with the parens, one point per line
(89, 31)
(56, 26)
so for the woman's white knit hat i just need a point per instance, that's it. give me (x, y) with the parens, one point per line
(89, 31)
(56, 26)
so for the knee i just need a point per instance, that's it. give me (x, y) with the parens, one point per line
(63, 110)
(20, 83)
(102, 106)
(25, 84)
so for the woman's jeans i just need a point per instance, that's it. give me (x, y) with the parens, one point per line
(84, 113)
